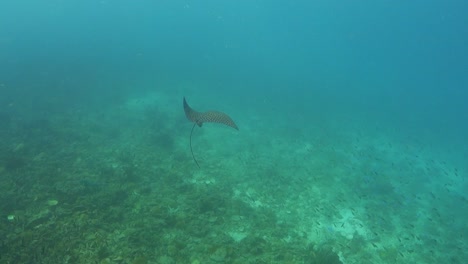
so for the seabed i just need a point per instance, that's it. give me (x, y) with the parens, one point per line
(118, 185)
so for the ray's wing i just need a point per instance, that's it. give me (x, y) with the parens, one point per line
(208, 117)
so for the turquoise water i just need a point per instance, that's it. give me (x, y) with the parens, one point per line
(351, 147)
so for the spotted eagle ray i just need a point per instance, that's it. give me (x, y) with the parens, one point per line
(198, 118)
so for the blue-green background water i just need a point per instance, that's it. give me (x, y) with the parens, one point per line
(284, 70)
